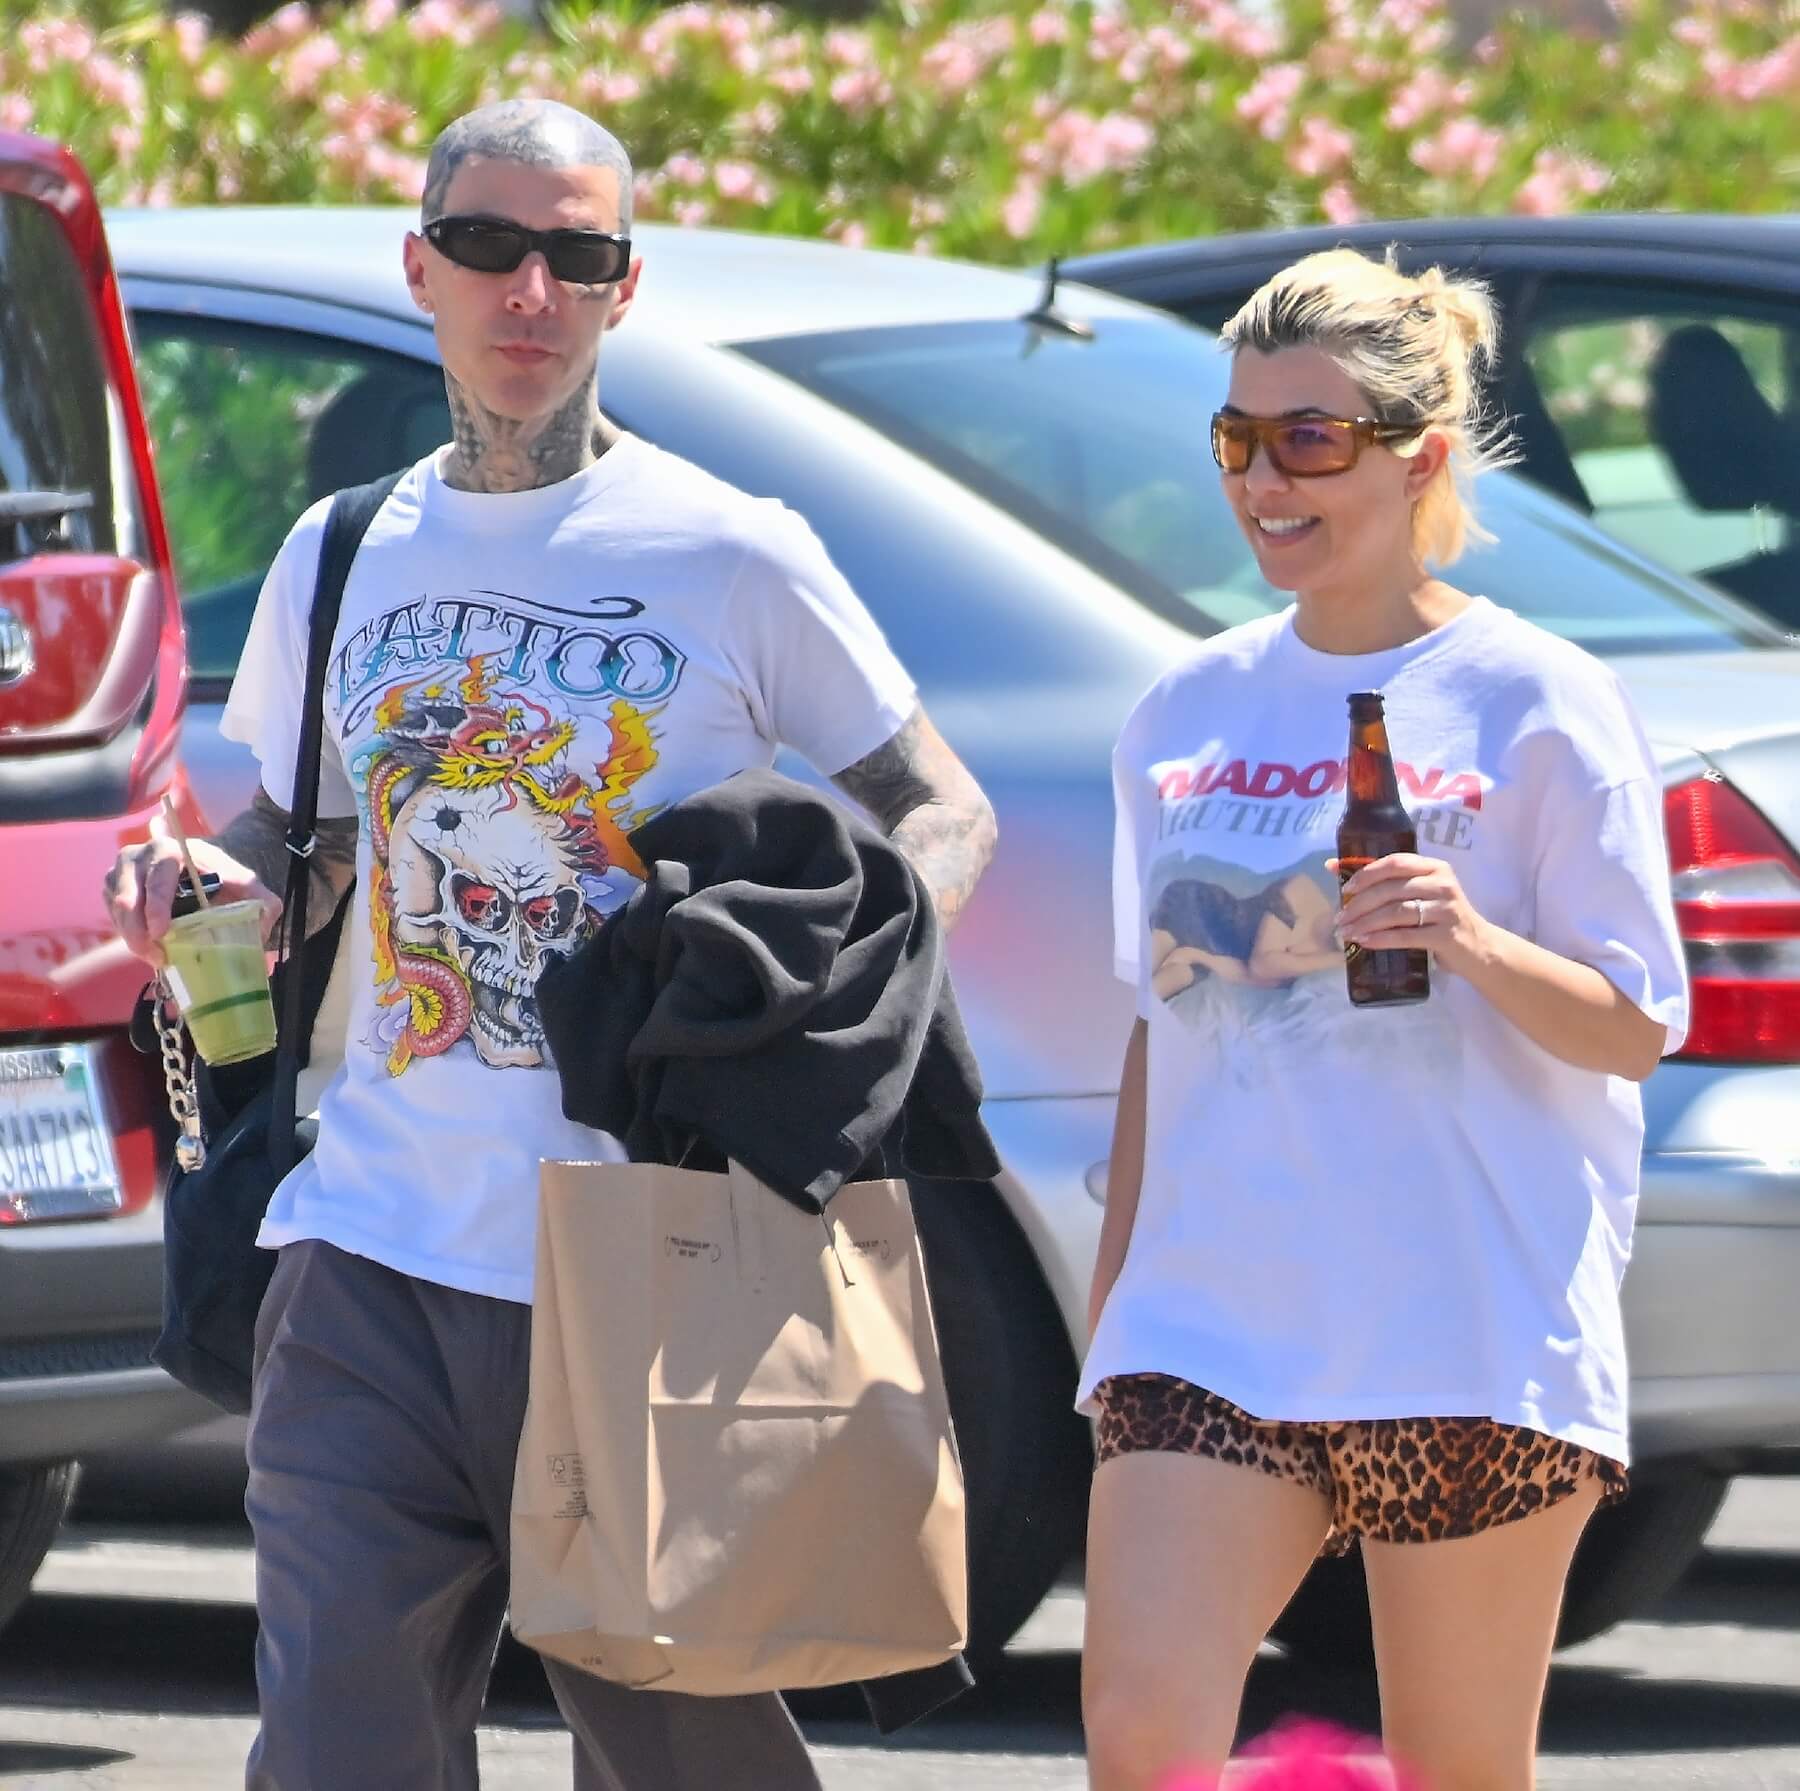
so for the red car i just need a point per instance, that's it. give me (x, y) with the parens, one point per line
(92, 682)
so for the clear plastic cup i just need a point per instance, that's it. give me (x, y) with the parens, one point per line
(219, 974)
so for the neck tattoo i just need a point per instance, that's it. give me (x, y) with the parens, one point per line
(493, 453)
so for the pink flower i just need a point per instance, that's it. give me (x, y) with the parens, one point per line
(1555, 182)
(1407, 18)
(302, 68)
(1429, 92)
(1764, 77)
(685, 170)
(1323, 148)
(610, 87)
(849, 49)
(1232, 31)
(926, 213)
(690, 213)
(405, 174)
(126, 141)
(15, 112)
(48, 41)
(280, 29)
(849, 232)
(1172, 53)
(1339, 205)
(1082, 147)
(792, 80)
(950, 67)
(1049, 25)
(738, 180)
(214, 82)
(861, 91)
(190, 33)
(1269, 98)
(377, 15)
(113, 83)
(1021, 208)
(1461, 146)
(1696, 31)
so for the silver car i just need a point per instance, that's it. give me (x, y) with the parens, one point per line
(1016, 479)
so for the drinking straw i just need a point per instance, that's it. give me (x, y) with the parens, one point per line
(173, 822)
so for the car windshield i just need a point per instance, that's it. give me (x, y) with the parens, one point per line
(1100, 444)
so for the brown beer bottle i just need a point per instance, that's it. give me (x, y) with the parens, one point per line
(1374, 825)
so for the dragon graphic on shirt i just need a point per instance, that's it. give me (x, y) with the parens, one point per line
(491, 855)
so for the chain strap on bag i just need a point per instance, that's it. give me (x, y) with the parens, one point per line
(178, 1077)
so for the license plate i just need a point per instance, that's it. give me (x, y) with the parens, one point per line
(56, 1152)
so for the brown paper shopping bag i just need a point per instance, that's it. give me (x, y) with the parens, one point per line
(737, 1471)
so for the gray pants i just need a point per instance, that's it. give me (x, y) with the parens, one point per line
(386, 1418)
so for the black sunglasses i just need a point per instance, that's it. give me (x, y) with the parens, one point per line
(497, 246)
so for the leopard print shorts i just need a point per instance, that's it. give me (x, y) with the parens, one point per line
(1391, 1479)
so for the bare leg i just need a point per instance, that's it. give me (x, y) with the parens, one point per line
(1463, 1633)
(1189, 1562)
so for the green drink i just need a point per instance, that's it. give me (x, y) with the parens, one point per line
(219, 975)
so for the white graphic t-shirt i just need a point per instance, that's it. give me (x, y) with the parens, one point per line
(1404, 1212)
(517, 681)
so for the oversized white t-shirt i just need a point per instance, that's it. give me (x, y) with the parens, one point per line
(516, 682)
(1394, 1212)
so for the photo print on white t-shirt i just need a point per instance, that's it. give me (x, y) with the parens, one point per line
(1239, 900)
(496, 777)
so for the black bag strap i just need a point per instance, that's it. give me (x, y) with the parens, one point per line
(351, 513)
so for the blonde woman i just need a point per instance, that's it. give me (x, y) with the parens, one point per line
(1358, 1283)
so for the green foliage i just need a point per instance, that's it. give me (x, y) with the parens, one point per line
(998, 129)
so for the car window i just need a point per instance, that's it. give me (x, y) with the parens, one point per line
(1100, 445)
(64, 480)
(1680, 411)
(251, 427)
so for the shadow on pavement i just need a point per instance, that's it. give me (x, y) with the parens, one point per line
(188, 1657)
(1755, 1588)
(147, 1657)
(38, 1757)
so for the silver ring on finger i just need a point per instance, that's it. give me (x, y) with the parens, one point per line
(1418, 908)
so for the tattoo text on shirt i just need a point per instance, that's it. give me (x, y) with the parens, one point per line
(518, 641)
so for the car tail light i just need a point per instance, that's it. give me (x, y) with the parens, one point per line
(1737, 901)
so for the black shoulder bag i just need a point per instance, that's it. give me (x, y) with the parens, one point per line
(214, 1276)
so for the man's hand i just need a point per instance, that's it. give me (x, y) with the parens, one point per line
(140, 889)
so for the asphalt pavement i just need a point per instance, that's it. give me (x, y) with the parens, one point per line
(130, 1670)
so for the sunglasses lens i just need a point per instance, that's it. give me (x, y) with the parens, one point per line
(1314, 447)
(488, 248)
(1232, 440)
(588, 259)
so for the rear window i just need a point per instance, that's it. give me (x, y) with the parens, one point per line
(63, 460)
(1100, 445)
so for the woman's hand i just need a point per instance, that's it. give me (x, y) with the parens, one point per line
(1407, 903)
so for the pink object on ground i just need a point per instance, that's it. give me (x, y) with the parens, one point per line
(1306, 1756)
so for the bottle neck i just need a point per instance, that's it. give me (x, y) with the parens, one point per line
(1371, 778)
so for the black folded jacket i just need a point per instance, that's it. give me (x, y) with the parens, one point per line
(774, 993)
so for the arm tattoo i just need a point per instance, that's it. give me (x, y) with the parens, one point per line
(930, 807)
(257, 839)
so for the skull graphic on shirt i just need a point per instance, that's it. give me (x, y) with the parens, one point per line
(488, 880)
